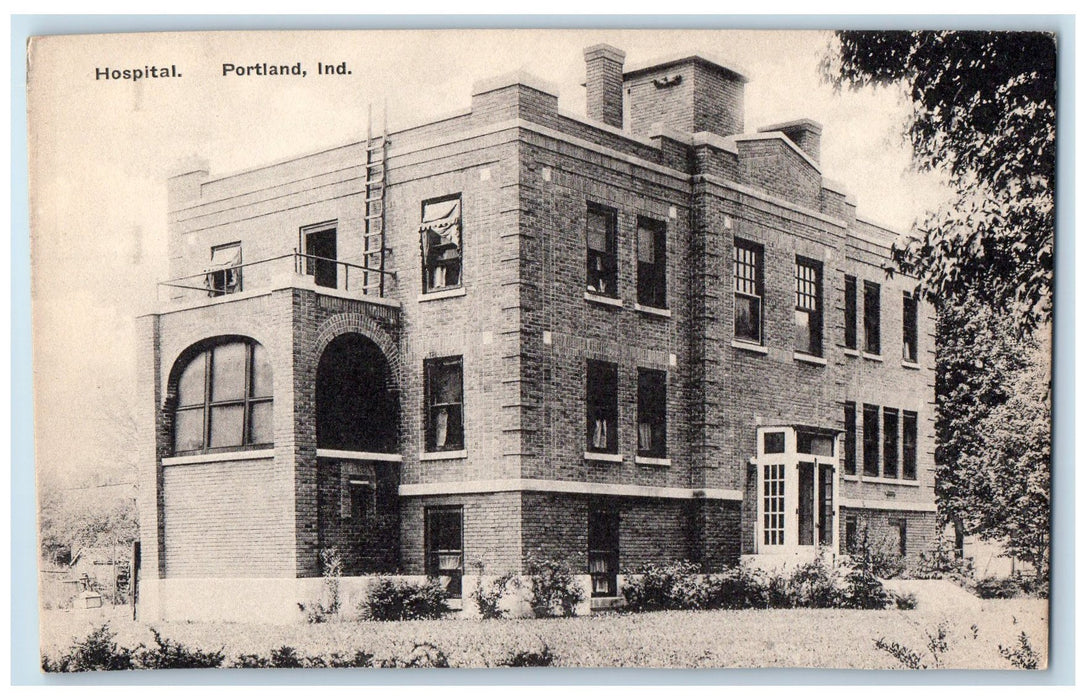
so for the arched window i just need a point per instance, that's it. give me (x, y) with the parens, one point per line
(224, 398)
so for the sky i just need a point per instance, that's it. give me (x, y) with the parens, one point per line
(101, 152)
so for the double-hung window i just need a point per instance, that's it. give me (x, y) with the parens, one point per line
(444, 404)
(602, 261)
(808, 307)
(909, 333)
(601, 399)
(850, 312)
(850, 437)
(445, 546)
(224, 274)
(442, 244)
(651, 263)
(908, 444)
(872, 318)
(871, 440)
(747, 274)
(651, 413)
(889, 442)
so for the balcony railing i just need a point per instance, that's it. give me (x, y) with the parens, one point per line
(290, 269)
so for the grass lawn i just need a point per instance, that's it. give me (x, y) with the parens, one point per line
(708, 639)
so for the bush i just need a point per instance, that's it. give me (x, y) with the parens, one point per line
(169, 654)
(814, 585)
(488, 598)
(98, 652)
(539, 656)
(421, 655)
(942, 561)
(879, 556)
(864, 591)
(400, 600)
(555, 590)
(736, 588)
(675, 586)
(331, 571)
(905, 601)
(1021, 656)
(998, 587)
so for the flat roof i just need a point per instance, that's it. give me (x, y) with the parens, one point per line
(669, 61)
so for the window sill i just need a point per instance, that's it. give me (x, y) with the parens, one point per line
(653, 311)
(606, 301)
(450, 454)
(443, 294)
(851, 353)
(872, 357)
(359, 456)
(910, 365)
(888, 480)
(750, 347)
(235, 456)
(602, 457)
(809, 359)
(653, 461)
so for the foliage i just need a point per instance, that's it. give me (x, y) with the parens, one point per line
(983, 113)
(555, 590)
(539, 655)
(171, 654)
(674, 586)
(942, 561)
(401, 600)
(331, 571)
(864, 591)
(98, 652)
(1021, 656)
(815, 585)
(878, 555)
(421, 655)
(736, 588)
(904, 601)
(907, 657)
(488, 597)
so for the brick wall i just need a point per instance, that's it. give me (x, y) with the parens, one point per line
(492, 531)
(370, 543)
(921, 530)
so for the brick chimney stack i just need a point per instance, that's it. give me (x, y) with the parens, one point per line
(603, 83)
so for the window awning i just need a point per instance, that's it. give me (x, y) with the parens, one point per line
(225, 257)
(441, 224)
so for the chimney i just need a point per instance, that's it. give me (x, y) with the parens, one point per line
(805, 133)
(603, 83)
(688, 93)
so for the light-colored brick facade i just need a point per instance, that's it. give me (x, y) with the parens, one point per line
(240, 523)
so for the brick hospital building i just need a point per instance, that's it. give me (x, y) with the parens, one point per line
(631, 337)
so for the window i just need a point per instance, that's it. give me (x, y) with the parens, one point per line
(651, 263)
(224, 273)
(872, 315)
(808, 307)
(773, 443)
(363, 500)
(444, 403)
(902, 528)
(850, 312)
(602, 256)
(601, 398)
(908, 445)
(851, 525)
(651, 413)
(850, 437)
(812, 443)
(442, 244)
(889, 442)
(909, 335)
(748, 272)
(871, 440)
(445, 546)
(224, 398)
(319, 244)
(773, 504)
(603, 523)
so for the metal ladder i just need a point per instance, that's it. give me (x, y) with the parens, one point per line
(373, 254)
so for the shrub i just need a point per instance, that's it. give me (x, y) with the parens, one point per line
(539, 656)
(555, 590)
(331, 571)
(942, 561)
(675, 586)
(814, 585)
(401, 600)
(905, 601)
(98, 652)
(421, 655)
(1021, 656)
(864, 591)
(997, 587)
(170, 654)
(905, 656)
(488, 598)
(736, 588)
(877, 555)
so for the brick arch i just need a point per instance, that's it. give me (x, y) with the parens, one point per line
(340, 324)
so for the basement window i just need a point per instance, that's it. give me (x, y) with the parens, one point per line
(603, 524)
(602, 262)
(442, 244)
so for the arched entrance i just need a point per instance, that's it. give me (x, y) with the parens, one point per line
(357, 405)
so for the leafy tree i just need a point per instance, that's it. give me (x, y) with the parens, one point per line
(984, 113)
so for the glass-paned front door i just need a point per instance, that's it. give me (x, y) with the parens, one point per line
(796, 488)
